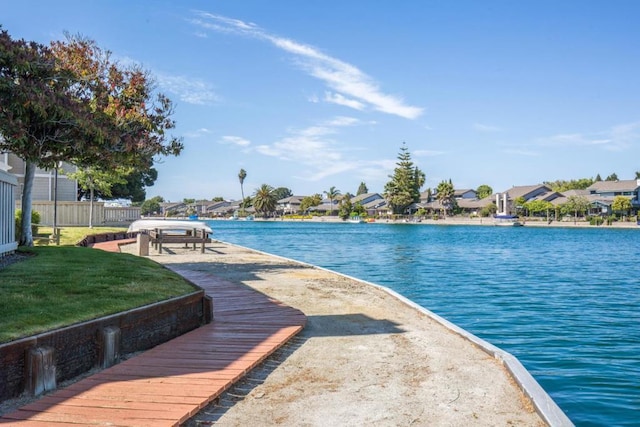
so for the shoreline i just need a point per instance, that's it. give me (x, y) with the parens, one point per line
(453, 221)
(365, 344)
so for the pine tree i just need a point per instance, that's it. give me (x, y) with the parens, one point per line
(362, 189)
(405, 184)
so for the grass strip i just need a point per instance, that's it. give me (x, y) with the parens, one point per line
(62, 285)
(71, 235)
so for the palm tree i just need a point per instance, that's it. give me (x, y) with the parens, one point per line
(332, 193)
(264, 200)
(445, 195)
(241, 176)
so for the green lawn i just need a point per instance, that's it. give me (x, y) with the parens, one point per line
(72, 235)
(63, 285)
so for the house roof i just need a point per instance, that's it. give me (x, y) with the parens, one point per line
(461, 192)
(525, 190)
(615, 186)
(291, 199)
(366, 196)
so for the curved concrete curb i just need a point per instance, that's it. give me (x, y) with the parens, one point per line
(548, 410)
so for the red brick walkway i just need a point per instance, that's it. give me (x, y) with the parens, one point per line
(168, 384)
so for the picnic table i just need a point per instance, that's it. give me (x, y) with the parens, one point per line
(162, 232)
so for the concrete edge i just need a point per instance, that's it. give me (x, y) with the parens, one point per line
(545, 406)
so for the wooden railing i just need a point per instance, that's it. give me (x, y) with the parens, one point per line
(8, 184)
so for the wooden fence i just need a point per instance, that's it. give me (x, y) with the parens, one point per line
(70, 214)
(8, 184)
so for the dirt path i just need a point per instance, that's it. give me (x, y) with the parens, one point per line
(365, 357)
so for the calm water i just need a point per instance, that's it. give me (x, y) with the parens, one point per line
(565, 302)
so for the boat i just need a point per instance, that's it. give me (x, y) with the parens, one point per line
(356, 220)
(507, 220)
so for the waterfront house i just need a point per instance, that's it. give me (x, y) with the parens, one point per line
(506, 201)
(602, 194)
(290, 205)
(373, 203)
(218, 209)
(173, 209)
(465, 194)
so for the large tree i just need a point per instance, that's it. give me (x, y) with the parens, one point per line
(132, 186)
(72, 103)
(575, 205)
(282, 193)
(39, 121)
(405, 184)
(621, 204)
(264, 200)
(91, 179)
(151, 206)
(310, 201)
(484, 191)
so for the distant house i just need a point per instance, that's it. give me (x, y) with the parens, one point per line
(173, 209)
(373, 203)
(219, 209)
(327, 206)
(45, 185)
(602, 193)
(465, 194)
(290, 205)
(506, 201)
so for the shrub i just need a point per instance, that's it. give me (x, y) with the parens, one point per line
(35, 220)
(596, 220)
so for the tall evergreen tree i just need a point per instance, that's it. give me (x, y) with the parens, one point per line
(405, 184)
(362, 189)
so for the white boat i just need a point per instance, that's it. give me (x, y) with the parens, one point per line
(168, 224)
(355, 220)
(507, 221)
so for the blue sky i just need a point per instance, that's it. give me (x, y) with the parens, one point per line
(313, 94)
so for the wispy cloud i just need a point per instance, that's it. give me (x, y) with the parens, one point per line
(189, 90)
(336, 98)
(315, 149)
(486, 128)
(353, 88)
(197, 133)
(235, 140)
(617, 138)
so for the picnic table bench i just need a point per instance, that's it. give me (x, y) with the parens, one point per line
(159, 237)
(162, 232)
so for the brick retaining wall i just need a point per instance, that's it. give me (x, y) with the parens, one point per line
(77, 347)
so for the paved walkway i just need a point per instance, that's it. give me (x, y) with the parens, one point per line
(168, 384)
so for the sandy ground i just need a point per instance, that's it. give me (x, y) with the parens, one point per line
(364, 358)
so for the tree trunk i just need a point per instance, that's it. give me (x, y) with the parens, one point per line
(91, 208)
(26, 235)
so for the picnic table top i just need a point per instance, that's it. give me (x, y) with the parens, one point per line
(168, 224)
